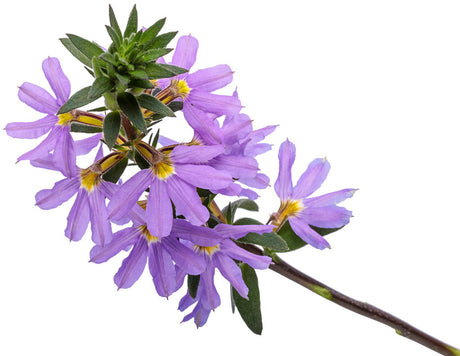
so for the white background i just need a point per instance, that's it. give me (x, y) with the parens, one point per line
(372, 85)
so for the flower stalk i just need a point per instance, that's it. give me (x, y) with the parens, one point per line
(368, 310)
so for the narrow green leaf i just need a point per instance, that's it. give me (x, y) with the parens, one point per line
(100, 86)
(131, 26)
(140, 161)
(75, 52)
(154, 143)
(89, 49)
(246, 204)
(192, 285)
(140, 83)
(114, 36)
(113, 174)
(77, 100)
(96, 67)
(153, 104)
(114, 22)
(79, 127)
(111, 128)
(109, 58)
(249, 309)
(150, 33)
(123, 79)
(129, 105)
(162, 40)
(247, 221)
(160, 70)
(138, 74)
(155, 53)
(270, 240)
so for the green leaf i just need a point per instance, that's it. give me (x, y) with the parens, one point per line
(140, 161)
(140, 83)
(77, 100)
(111, 128)
(114, 22)
(89, 49)
(75, 52)
(155, 53)
(162, 40)
(114, 36)
(79, 127)
(150, 33)
(160, 70)
(192, 285)
(100, 86)
(138, 74)
(153, 104)
(246, 204)
(131, 26)
(114, 173)
(129, 105)
(270, 240)
(109, 58)
(249, 309)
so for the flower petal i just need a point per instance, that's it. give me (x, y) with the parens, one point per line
(57, 79)
(239, 254)
(214, 103)
(202, 124)
(329, 199)
(133, 265)
(38, 98)
(162, 270)
(203, 176)
(207, 292)
(185, 54)
(326, 216)
(60, 193)
(231, 272)
(237, 166)
(31, 129)
(44, 148)
(187, 201)
(64, 156)
(311, 179)
(159, 214)
(210, 79)
(188, 260)
(283, 184)
(121, 240)
(78, 218)
(100, 224)
(195, 154)
(86, 145)
(238, 231)
(199, 235)
(127, 195)
(307, 234)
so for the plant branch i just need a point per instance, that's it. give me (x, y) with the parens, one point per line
(401, 327)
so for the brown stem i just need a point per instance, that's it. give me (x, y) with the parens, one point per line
(365, 309)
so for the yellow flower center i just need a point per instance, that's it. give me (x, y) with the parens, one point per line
(176, 89)
(209, 250)
(90, 177)
(147, 235)
(65, 119)
(287, 209)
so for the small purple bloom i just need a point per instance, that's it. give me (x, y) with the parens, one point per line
(301, 211)
(162, 253)
(173, 178)
(196, 88)
(89, 205)
(222, 257)
(59, 141)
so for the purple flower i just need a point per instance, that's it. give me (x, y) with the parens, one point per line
(89, 205)
(196, 88)
(222, 257)
(301, 211)
(173, 176)
(58, 139)
(162, 253)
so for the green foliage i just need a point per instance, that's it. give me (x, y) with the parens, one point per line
(192, 285)
(111, 128)
(270, 240)
(249, 309)
(130, 107)
(77, 100)
(230, 210)
(114, 173)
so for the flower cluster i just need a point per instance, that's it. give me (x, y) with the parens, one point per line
(168, 212)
